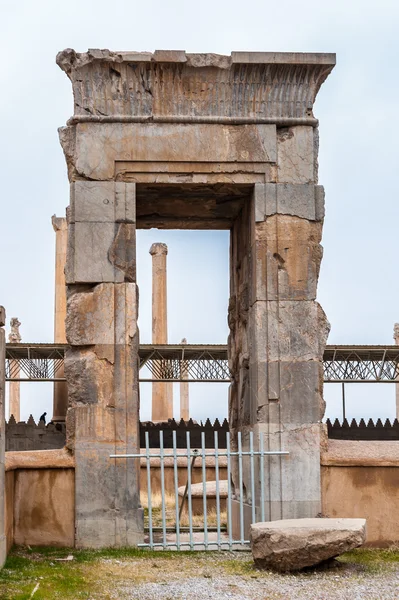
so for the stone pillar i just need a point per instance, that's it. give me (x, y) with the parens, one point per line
(396, 338)
(184, 390)
(162, 393)
(3, 541)
(15, 386)
(279, 331)
(101, 366)
(60, 394)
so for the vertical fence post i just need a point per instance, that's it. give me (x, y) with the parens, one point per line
(262, 478)
(217, 489)
(149, 499)
(162, 459)
(252, 470)
(229, 524)
(241, 487)
(204, 499)
(190, 507)
(176, 481)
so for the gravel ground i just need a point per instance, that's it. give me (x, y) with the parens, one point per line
(348, 581)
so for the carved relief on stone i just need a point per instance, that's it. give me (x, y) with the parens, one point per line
(14, 336)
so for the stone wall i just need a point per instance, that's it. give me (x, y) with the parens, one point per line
(361, 479)
(40, 498)
(29, 436)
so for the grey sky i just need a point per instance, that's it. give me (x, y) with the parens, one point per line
(357, 108)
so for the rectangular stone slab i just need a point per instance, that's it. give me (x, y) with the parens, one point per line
(293, 544)
(98, 146)
(102, 202)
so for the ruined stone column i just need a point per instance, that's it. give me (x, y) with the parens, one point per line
(3, 541)
(396, 338)
(101, 366)
(162, 393)
(15, 386)
(60, 394)
(184, 390)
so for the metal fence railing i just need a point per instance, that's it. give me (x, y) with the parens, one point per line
(189, 494)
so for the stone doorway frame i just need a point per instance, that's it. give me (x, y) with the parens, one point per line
(165, 119)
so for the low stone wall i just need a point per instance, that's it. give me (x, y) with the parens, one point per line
(361, 479)
(40, 498)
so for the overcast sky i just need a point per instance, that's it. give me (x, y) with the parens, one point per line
(357, 109)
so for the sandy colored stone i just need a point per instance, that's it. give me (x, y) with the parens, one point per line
(360, 490)
(162, 393)
(102, 202)
(286, 259)
(295, 155)
(117, 85)
(361, 453)
(90, 316)
(60, 393)
(293, 544)
(39, 459)
(44, 511)
(197, 489)
(89, 377)
(98, 146)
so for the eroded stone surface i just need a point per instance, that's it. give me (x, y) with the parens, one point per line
(296, 158)
(294, 544)
(141, 118)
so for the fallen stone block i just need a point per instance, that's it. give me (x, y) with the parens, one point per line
(293, 544)
(197, 497)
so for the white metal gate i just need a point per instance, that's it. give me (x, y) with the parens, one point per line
(171, 517)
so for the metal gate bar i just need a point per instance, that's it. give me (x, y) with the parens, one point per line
(222, 540)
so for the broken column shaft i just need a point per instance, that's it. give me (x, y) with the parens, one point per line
(162, 393)
(15, 386)
(60, 393)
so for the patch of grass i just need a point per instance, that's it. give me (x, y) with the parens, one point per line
(371, 556)
(239, 567)
(109, 573)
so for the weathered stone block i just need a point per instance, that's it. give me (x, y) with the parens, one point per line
(2, 316)
(89, 377)
(90, 316)
(98, 146)
(102, 202)
(107, 493)
(294, 544)
(298, 200)
(101, 252)
(286, 258)
(319, 202)
(294, 330)
(295, 150)
(173, 56)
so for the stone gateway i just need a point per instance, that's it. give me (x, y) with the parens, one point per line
(194, 141)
